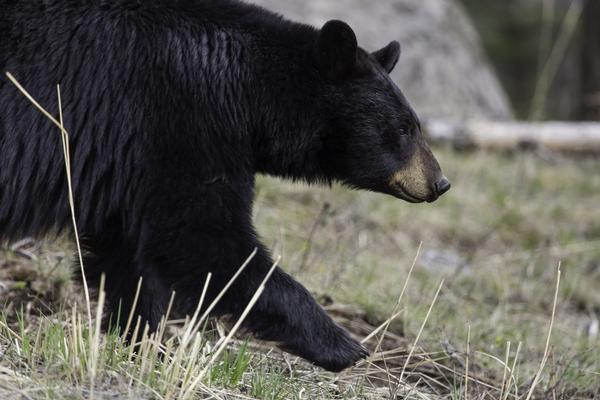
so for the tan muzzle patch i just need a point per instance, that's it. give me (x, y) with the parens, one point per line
(412, 179)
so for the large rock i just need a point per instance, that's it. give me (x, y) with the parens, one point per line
(443, 70)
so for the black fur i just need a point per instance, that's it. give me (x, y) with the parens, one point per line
(172, 108)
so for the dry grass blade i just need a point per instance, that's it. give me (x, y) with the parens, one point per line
(538, 375)
(133, 307)
(385, 325)
(226, 288)
(66, 153)
(412, 349)
(33, 101)
(381, 327)
(95, 342)
(10, 331)
(194, 323)
(467, 361)
(505, 385)
(514, 365)
(162, 326)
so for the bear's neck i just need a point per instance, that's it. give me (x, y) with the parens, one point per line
(258, 78)
(286, 139)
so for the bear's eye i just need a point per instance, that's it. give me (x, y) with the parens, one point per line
(403, 129)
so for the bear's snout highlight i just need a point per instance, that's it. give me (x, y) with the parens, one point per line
(420, 180)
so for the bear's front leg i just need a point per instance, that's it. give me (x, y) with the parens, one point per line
(209, 230)
(287, 314)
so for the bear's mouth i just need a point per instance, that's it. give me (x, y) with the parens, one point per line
(402, 194)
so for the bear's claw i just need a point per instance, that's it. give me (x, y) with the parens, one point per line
(343, 354)
(334, 352)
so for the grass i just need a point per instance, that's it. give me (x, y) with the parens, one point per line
(495, 240)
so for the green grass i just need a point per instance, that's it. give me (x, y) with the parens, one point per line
(495, 239)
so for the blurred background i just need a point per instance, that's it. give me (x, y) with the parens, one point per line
(525, 59)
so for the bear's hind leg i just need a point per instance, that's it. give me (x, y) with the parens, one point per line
(122, 276)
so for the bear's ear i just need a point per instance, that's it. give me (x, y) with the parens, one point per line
(388, 56)
(336, 49)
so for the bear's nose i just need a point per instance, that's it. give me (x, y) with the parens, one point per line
(442, 186)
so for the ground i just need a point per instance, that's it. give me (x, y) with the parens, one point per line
(495, 240)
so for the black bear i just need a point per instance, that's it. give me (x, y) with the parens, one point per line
(172, 108)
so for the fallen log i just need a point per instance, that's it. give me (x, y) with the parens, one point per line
(510, 135)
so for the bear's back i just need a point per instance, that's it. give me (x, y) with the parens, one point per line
(128, 70)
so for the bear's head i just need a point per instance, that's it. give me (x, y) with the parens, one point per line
(372, 138)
